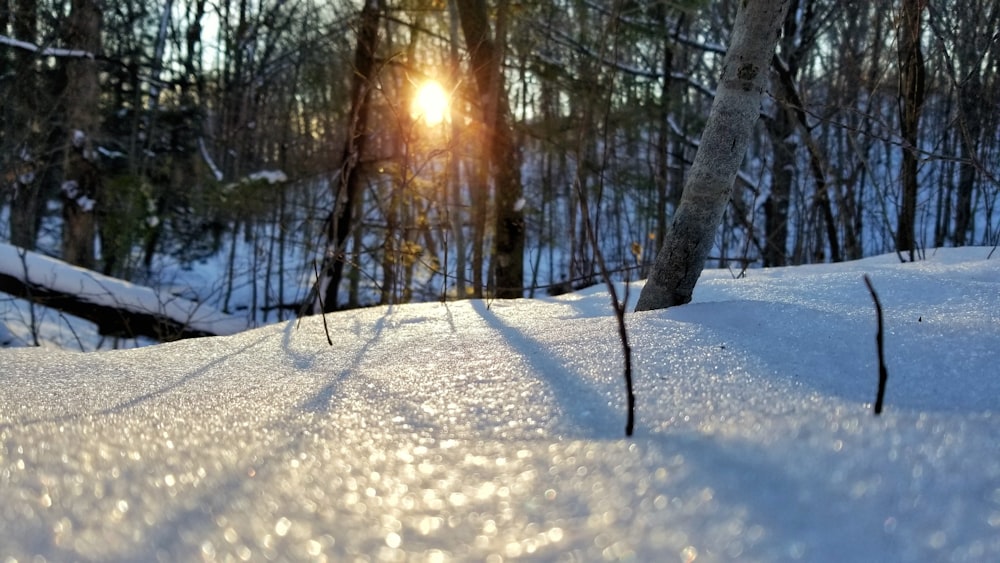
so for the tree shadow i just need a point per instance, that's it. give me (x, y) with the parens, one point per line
(581, 406)
(135, 401)
(728, 499)
(832, 353)
(323, 400)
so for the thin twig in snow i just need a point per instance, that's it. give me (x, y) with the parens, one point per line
(883, 373)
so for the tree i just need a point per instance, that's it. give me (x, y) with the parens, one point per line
(22, 119)
(347, 185)
(911, 100)
(486, 56)
(970, 36)
(723, 146)
(799, 35)
(81, 178)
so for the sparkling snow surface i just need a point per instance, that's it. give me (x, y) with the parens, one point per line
(489, 433)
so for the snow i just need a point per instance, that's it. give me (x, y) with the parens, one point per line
(92, 287)
(108, 153)
(79, 138)
(492, 431)
(269, 176)
(44, 51)
(208, 159)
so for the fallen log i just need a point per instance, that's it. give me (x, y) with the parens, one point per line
(117, 307)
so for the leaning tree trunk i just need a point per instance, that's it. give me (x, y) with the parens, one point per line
(723, 145)
(485, 57)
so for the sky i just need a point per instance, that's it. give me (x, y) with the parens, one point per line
(494, 430)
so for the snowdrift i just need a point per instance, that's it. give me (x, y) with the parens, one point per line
(494, 431)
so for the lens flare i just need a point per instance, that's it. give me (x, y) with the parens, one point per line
(430, 103)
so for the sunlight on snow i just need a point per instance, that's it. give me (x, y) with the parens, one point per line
(476, 432)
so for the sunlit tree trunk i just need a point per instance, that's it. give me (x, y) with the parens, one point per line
(723, 146)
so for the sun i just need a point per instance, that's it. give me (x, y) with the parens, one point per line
(430, 103)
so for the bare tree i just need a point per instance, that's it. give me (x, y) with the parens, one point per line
(723, 146)
(486, 56)
(911, 100)
(348, 183)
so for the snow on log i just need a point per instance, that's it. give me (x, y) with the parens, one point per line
(118, 307)
(45, 51)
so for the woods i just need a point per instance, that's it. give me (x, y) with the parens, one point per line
(274, 147)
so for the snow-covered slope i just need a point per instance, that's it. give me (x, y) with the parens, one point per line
(494, 431)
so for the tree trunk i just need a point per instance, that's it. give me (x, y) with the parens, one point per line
(723, 146)
(347, 185)
(663, 131)
(81, 180)
(781, 129)
(27, 202)
(486, 57)
(478, 195)
(911, 98)
(970, 129)
(454, 204)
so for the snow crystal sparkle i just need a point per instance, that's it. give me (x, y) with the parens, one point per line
(756, 443)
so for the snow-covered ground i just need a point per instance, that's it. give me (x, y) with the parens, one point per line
(494, 431)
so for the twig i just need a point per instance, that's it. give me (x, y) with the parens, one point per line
(23, 255)
(883, 373)
(617, 304)
(322, 308)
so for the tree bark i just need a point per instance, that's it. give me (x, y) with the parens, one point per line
(347, 185)
(27, 201)
(664, 134)
(486, 57)
(911, 100)
(970, 122)
(723, 146)
(81, 179)
(455, 206)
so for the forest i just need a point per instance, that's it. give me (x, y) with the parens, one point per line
(275, 158)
